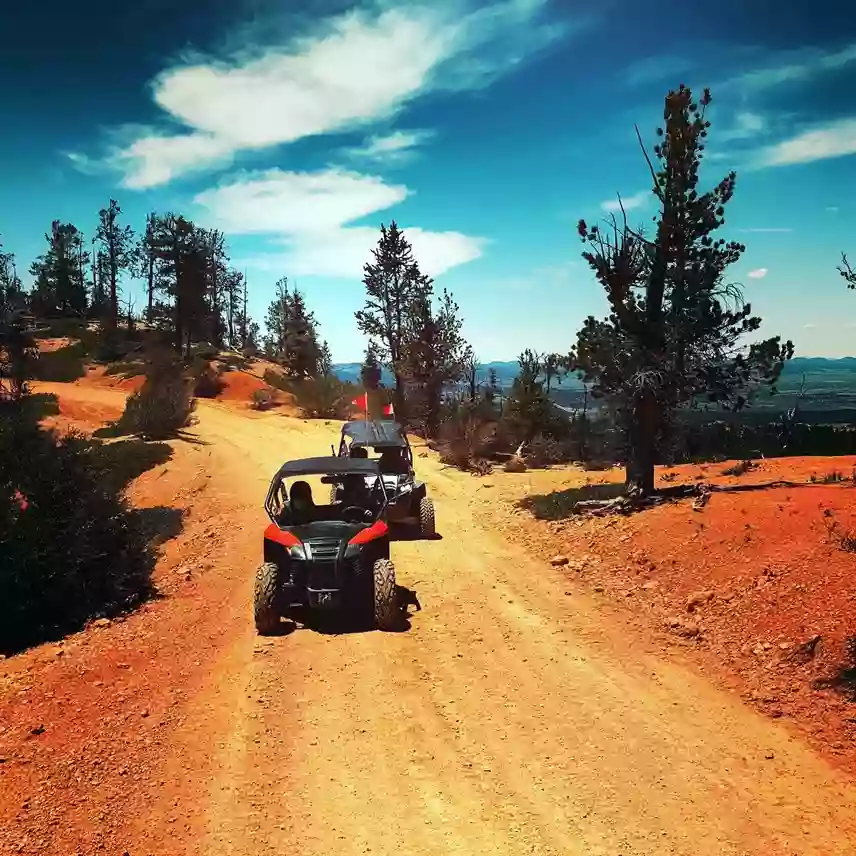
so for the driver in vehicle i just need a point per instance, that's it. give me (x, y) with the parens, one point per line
(393, 462)
(301, 504)
(355, 492)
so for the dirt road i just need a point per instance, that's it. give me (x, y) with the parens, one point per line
(511, 718)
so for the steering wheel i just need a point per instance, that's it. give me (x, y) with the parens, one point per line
(355, 514)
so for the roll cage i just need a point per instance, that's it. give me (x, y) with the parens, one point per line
(331, 470)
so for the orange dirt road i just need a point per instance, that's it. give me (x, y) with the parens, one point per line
(512, 718)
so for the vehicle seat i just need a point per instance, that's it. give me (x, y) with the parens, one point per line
(359, 452)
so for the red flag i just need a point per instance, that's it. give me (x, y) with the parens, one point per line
(388, 410)
(362, 401)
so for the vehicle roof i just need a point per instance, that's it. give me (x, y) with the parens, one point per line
(329, 465)
(375, 434)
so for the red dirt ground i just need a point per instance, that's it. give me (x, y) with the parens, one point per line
(509, 719)
(757, 573)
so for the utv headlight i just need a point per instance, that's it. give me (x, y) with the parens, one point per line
(297, 551)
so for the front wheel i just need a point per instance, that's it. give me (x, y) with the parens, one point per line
(266, 598)
(427, 523)
(386, 613)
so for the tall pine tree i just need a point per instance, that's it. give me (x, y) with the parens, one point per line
(677, 329)
(117, 244)
(394, 287)
(59, 286)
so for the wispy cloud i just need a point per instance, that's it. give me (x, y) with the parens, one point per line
(637, 200)
(760, 273)
(394, 148)
(833, 140)
(309, 215)
(765, 229)
(793, 66)
(832, 209)
(354, 70)
(653, 69)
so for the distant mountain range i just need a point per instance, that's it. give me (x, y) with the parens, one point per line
(818, 371)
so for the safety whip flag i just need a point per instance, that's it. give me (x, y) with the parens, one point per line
(388, 410)
(362, 402)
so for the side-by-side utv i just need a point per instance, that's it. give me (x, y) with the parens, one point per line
(408, 498)
(326, 557)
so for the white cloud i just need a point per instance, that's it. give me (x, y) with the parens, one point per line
(830, 141)
(310, 213)
(291, 202)
(760, 273)
(393, 148)
(629, 202)
(746, 125)
(343, 252)
(832, 209)
(355, 69)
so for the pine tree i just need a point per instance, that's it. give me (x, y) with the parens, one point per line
(11, 291)
(117, 245)
(325, 361)
(527, 409)
(394, 286)
(181, 251)
(677, 329)
(292, 332)
(370, 371)
(59, 286)
(433, 356)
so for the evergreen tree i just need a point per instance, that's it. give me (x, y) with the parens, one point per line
(11, 291)
(292, 332)
(370, 371)
(527, 409)
(676, 330)
(433, 356)
(394, 287)
(59, 286)
(325, 361)
(117, 245)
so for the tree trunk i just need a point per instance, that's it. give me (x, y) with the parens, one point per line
(150, 286)
(639, 479)
(114, 297)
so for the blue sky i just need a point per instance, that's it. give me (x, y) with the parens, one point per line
(486, 129)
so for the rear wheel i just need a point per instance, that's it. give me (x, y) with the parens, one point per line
(427, 523)
(266, 598)
(386, 613)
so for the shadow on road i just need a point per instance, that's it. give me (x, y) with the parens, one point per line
(411, 533)
(347, 622)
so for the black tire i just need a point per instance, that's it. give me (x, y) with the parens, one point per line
(334, 494)
(386, 611)
(427, 523)
(266, 599)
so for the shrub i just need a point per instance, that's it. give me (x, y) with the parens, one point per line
(207, 382)
(262, 399)
(70, 548)
(61, 366)
(545, 451)
(163, 404)
(466, 437)
(324, 397)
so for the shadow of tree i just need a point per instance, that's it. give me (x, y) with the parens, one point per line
(562, 504)
(123, 461)
(159, 523)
